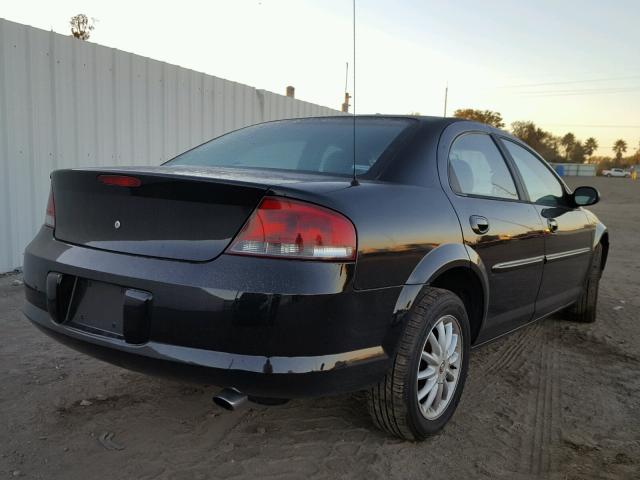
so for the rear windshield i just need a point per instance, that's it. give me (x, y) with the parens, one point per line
(311, 145)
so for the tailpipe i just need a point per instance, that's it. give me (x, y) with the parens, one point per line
(229, 399)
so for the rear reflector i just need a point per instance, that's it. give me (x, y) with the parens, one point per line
(292, 229)
(50, 216)
(120, 180)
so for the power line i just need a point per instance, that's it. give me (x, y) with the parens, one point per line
(569, 82)
(595, 91)
(587, 126)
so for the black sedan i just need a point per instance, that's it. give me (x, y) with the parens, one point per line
(309, 257)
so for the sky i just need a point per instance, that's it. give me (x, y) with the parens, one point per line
(566, 65)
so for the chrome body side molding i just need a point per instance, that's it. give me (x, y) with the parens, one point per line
(523, 262)
(512, 265)
(569, 253)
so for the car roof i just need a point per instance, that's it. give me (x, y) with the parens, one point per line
(432, 123)
(444, 121)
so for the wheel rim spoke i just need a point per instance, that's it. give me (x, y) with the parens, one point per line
(438, 401)
(432, 395)
(448, 337)
(427, 389)
(430, 359)
(435, 346)
(441, 337)
(453, 343)
(453, 359)
(427, 373)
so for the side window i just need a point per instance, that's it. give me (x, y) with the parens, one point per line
(476, 167)
(543, 187)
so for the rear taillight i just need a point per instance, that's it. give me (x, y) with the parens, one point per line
(292, 229)
(50, 216)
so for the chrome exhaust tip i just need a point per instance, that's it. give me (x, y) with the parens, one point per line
(229, 399)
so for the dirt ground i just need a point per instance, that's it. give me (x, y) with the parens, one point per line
(554, 400)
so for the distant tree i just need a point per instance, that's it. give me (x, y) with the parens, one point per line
(568, 142)
(540, 140)
(578, 153)
(590, 146)
(619, 148)
(81, 26)
(484, 116)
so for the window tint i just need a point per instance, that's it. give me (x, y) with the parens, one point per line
(476, 167)
(289, 154)
(542, 185)
(323, 145)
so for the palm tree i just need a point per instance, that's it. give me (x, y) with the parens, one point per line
(619, 148)
(590, 146)
(568, 142)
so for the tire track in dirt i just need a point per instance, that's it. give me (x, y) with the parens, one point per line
(515, 348)
(524, 369)
(543, 414)
(503, 393)
(616, 370)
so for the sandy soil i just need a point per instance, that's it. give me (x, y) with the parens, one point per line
(554, 400)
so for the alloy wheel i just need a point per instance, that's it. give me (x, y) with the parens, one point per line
(440, 367)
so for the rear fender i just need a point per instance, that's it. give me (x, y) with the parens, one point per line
(602, 236)
(433, 264)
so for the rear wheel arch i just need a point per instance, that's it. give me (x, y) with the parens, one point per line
(466, 284)
(453, 267)
(604, 241)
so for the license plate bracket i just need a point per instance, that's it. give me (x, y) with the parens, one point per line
(97, 307)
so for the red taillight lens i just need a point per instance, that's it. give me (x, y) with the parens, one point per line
(120, 180)
(294, 229)
(50, 216)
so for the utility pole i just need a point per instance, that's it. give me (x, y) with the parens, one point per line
(347, 97)
(446, 94)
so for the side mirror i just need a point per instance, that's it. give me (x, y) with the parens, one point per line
(583, 196)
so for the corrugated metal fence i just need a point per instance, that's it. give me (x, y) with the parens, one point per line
(575, 169)
(68, 103)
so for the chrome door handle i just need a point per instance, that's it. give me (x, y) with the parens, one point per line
(479, 224)
(553, 224)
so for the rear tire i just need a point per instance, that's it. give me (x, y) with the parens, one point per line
(584, 310)
(422, 367)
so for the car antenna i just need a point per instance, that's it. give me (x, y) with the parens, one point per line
(354, 179)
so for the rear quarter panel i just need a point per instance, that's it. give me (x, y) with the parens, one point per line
(397, 226)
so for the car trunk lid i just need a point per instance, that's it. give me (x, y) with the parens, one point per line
(164, 213)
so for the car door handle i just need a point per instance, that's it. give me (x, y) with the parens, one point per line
(479, 224)
(553, 224)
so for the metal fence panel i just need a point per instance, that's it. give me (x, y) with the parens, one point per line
(575, 169)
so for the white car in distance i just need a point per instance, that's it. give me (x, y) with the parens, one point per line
(615, 172)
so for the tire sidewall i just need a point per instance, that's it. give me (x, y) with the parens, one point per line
(449, 304)
(593, 283)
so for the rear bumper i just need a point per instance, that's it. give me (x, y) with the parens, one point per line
(267, 327)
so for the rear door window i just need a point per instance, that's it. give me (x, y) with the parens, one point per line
(476, 167)
(541, 184)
